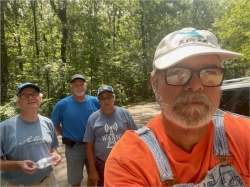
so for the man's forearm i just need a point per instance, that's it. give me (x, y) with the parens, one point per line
(8, 165)
(90, 156)
(59, 129)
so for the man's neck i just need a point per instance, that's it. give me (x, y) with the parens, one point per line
(183, 138)
(79, 98)
(29, 116)
(108, 111)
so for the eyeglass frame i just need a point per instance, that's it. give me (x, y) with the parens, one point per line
(78, 85)
(106, 98)
(224, 70)
(33, 95)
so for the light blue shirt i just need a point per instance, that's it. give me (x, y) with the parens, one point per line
(22, 140)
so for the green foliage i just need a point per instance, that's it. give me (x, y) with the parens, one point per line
(234, 34)
(9, 109)
(109, 42)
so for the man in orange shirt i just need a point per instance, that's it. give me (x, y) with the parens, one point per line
(191, 143)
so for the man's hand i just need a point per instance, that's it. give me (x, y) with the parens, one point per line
(27, 166)
(93, 174)
(58, 160)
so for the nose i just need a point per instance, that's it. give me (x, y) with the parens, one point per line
(29, 95)
(194, 83)
(106, 99)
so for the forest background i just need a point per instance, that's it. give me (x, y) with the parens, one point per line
(108, 41)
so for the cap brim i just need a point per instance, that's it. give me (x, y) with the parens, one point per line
(185, 52)
(105, 91)
(78, 78)
(29, 86)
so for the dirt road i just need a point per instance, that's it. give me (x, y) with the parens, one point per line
(141, 114)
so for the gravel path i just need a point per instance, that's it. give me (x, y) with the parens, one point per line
(141, 114)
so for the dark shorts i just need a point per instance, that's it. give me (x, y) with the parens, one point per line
(100, 164)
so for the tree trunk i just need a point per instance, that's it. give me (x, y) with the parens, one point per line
(4, 59)
(33, 8)
(61, 13)
(144, 91)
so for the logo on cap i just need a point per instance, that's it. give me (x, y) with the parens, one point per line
(196, 37)
(105, 88)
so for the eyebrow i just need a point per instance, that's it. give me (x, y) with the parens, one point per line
(205, 66)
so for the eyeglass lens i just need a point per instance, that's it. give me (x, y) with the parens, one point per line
(26, 96)
(181, 76)
(104, 98)
(78, 85)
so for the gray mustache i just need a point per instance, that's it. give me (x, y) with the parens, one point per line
(191, 97)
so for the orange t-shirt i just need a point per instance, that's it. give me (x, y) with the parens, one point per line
(131, 163)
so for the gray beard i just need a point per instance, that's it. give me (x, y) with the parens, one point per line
(187, 116)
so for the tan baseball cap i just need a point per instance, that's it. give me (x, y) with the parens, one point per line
(188, 42)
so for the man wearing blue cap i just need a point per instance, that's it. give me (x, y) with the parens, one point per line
(105, 127)
(70, 116)
(25, 139)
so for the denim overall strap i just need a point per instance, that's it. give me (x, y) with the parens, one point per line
(162, 162)
(220, 140)
(222, 174)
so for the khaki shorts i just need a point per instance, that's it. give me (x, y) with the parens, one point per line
(49, 180)
(76, 159)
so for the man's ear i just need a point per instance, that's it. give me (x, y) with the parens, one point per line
(41, 97)
(152, 83)
(17, 102)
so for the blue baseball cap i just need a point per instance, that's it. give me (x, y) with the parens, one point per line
(26, 85)
(105, 88)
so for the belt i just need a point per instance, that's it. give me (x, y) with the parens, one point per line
(33, 184)
(78, 143)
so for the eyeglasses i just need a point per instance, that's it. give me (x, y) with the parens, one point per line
(210, 77)
(26, 96)
(104, 98)
(79, 85)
